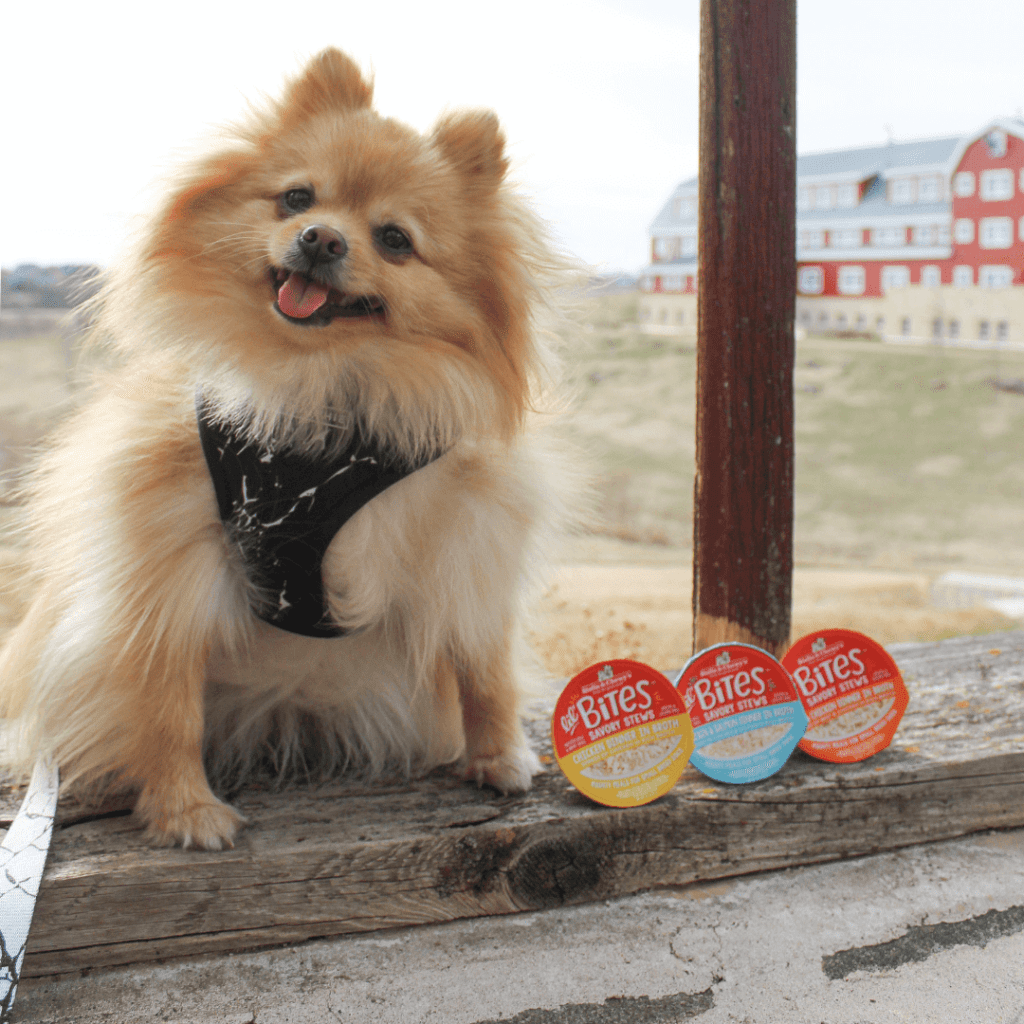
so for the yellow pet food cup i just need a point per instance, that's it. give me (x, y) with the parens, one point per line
(621, 734)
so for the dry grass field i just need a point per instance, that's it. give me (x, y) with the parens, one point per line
(906, 458)
(908, 464)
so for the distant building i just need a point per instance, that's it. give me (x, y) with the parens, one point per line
(916, 240)
(28, 286)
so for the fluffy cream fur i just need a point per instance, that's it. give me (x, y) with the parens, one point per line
(139, 659)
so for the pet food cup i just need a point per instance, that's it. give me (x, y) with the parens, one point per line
(746, 712)
(852, 691)
(621, 734)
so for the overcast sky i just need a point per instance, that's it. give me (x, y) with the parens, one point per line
(598, 98)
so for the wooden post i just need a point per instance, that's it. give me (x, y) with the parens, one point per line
(743, 492)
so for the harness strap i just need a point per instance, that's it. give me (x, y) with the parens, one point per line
(281, 509)
(22, 860)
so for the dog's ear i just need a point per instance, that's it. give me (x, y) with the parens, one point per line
(206, 183)
(475, 144)
(330, 81)
(202, 190)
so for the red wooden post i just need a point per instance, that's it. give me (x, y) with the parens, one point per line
(743, 492)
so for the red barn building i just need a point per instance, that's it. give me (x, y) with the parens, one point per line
(916, 240)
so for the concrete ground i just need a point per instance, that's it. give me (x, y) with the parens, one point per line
(928, 934)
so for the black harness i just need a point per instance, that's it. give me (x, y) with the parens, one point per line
(281, 508)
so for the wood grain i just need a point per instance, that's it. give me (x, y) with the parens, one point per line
(746, 297)
(350, 858)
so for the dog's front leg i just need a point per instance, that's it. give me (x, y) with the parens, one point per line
(166, 759)
(497, 753)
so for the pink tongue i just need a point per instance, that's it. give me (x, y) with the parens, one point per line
(301, 297)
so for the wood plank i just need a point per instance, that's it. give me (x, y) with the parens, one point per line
(349, 858)
(746, 297)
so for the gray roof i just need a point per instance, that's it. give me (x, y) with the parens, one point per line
(876, 159)
(854, 164)
(666, 216)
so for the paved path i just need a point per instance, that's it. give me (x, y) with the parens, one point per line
(929, 934)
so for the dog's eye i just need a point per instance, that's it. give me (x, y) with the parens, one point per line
(394, 239)
(296, 200)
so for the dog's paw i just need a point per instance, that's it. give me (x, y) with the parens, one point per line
(510, 772)
(205, 826)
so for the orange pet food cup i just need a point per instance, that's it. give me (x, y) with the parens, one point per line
(852, 691)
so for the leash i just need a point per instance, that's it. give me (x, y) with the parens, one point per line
(22, 859)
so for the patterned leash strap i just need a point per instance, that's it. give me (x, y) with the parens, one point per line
(22, 859)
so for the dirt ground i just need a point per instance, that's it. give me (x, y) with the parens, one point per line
(612, 599)
(615, 599)
(617, 594)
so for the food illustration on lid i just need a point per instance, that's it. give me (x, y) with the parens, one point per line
(852, 691)
(620, 733)
(746, 713)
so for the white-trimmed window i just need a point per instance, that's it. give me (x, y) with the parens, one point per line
(811, 280)
(943, 233)
(803, 198)
(997, 184)
(996, 141)
(889, 236)
(963, 230)
(672, 283)
(688, 247)
(824, 197)
(925, 234)
(847, 238)
(963, 276)
(995, 232)
(929, 189)
(685, 207)
(895, 277)
(665, 248)
(963, 183)
(931, 277)
(851, 280)
(846, 195)
(812, 239)
(904, 190)
(995, 276)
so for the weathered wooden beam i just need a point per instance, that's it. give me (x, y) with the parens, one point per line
(743, 492)
(351, 858)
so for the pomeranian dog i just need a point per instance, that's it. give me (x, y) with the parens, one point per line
(293, 526)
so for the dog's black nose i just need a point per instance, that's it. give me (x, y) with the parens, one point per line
(322, 245)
